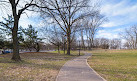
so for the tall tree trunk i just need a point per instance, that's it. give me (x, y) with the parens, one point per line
(87, 43)
(37, 47)
(68, 44)
(64, 46)
(58, 49)
(16, 56)
(92, 42)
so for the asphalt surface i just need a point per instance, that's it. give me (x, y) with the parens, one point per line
(78, 70)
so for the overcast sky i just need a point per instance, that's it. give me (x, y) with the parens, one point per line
(120, 13)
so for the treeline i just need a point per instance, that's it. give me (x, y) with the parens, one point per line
(105, 43)
(102, 43)
(130, 37)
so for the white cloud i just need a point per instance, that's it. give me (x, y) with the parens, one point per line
(111, 9)
(28, 18)
(106, 34)
(119, 30)
(108, 24)
(119, 13)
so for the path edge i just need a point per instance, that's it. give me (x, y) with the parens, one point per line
(93, 69)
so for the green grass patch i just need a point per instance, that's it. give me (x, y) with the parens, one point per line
(115, 65)
(34, 67)
(73, 53)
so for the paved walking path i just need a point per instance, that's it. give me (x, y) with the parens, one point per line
(78, 70)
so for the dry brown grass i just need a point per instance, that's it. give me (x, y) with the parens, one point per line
(34, 67)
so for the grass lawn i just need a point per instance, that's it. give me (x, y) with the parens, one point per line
(115, 65)
(34, 67)
(76, 52)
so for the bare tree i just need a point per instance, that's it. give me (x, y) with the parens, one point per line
(56, 38)
(103, 43)
(130, 35)
(115, 44)
(66, 14)
(96, 42)
(54, 35)
(82, 39)
(92, 26)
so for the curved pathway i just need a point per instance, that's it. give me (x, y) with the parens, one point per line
(78, 70)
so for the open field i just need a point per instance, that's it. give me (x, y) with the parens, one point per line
(34, 67)
(115, 65)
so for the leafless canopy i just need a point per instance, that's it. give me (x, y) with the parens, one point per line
(67, 14)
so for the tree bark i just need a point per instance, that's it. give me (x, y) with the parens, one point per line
(58, 49)
(16, 56)
(37, 47)
(90, 44)
(64, 46)
(68, 43)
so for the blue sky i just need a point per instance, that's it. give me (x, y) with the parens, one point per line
(120, 13)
